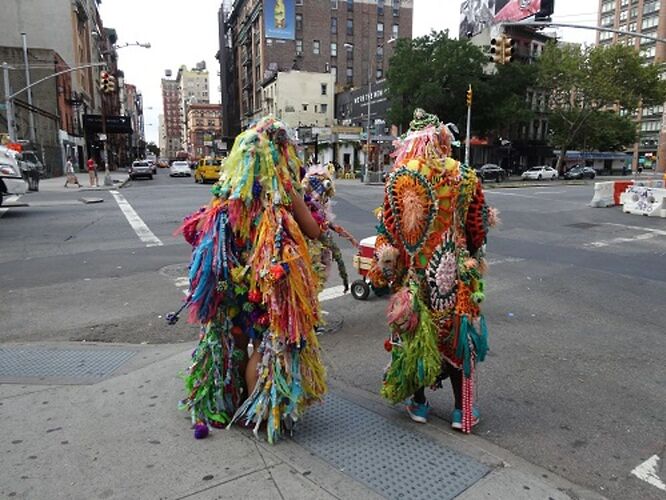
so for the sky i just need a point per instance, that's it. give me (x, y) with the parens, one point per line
(187, 32)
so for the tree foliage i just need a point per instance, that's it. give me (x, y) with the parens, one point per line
(153, 148)
(433, 72)
(582, 83)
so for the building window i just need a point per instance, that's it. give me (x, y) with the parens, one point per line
(324, 89)
(305, 107)
(380, 7)
(394, 31)
(334, 25)
(334, 4)
(299, 22)
(350, 76)
(315, 47)
(323, 108)
(299, 2)
(350, 5)
(299, 47)
(380, 73)
(380, 30)
(380, 52)
(334, 49)
(350, 27)
(334, 72)
(395, 4)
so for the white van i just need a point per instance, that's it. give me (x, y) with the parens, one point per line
(11, 179)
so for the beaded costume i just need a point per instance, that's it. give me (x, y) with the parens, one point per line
(252, 286)
(432, 232)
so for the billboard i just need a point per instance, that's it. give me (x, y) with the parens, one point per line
(280, 19)
(475, 15)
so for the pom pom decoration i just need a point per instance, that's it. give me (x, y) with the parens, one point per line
(200, 430)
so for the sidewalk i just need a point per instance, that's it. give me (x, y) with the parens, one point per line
(57, 184)
(102, 422)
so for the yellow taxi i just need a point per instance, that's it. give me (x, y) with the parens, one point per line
(208, 170)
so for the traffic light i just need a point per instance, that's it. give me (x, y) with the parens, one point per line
(508, 49)
(469, 97)
(107, 83)
(502, 49)
(496, 51)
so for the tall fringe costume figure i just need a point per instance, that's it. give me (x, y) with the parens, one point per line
(429, 251)
(254, 292)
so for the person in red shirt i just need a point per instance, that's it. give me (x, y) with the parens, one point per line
(92, 172)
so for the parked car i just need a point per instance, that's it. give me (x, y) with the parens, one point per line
(208, 169)
(11, 177)
(580, 172)
(31, 167)
(491, 171)
(539, 173)
(140, 168)
(180, 169)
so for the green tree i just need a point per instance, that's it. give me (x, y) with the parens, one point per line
(153, 148)
(433, 72)
(602, 131)
(581, 83)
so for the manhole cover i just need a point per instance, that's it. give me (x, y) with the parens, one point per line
(56, 365)
(367, 447)
(175, 270)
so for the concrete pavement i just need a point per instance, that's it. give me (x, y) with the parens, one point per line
(57, 184)
(123, 437)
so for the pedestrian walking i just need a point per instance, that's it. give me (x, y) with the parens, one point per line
(254, 292)
(70, 173)
(429, 251)
(92, 172)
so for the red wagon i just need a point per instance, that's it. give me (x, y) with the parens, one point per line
(360, 289)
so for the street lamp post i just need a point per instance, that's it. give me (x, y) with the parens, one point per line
(366, 168)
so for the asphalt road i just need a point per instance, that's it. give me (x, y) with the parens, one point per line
(575, 381)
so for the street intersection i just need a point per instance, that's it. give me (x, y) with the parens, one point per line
(574, 383)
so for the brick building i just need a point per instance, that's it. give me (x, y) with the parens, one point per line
(172, 118)
(204, 128)
(347, 38)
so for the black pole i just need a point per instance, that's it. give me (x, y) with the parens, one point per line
(316, 148)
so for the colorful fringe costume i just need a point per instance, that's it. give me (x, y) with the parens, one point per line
(318, 189)
(435, 220)
(252, 287)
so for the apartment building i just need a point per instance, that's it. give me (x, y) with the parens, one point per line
(347, 38)
(192, 88)
(648, 17)
(172, 118)
(204, 128)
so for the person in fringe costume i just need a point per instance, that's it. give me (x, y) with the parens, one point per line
(429, 251)
(253, 290)
(319, 188)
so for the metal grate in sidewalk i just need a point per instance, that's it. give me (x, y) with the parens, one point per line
(395, 462)
(49, 365)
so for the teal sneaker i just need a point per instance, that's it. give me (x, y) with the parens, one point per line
(456, 418)
(418, 411)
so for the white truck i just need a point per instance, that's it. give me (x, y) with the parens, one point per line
(11, 177)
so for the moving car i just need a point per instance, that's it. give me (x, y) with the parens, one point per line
(208, 170)
(491, 171)
(539, 173)
(580, 172)
(180, 169)
(11, 177)
(140, 168)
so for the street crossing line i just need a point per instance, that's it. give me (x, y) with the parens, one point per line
(647, 471)
(647, 234)
(9, 199)
(140, 228)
